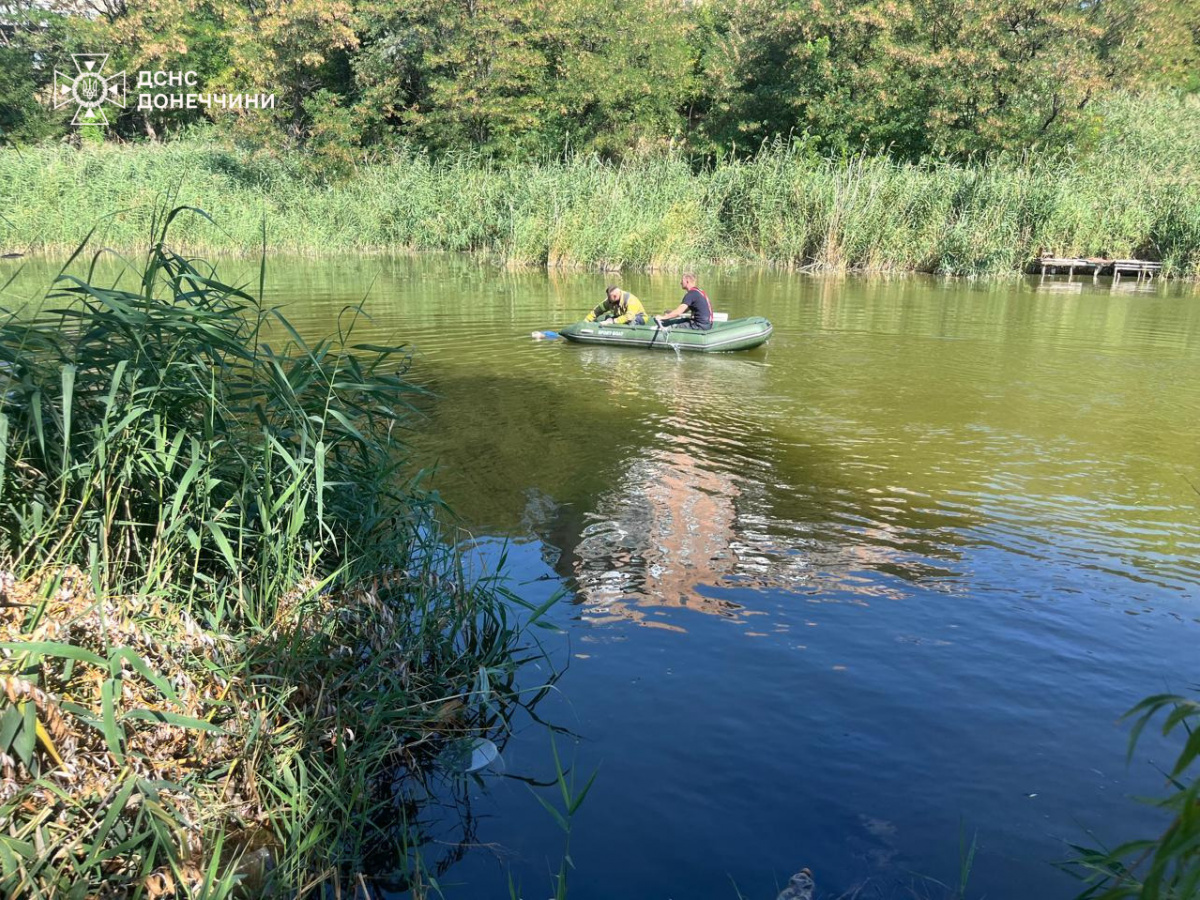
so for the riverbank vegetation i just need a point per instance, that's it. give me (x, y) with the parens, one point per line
(916, 79)
(1136, 194)
(231, 640)
(878, 134)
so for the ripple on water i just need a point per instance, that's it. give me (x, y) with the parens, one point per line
(940, 536)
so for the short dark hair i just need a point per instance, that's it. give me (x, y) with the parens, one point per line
(608, 290)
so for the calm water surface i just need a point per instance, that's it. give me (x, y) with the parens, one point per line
(831, 603)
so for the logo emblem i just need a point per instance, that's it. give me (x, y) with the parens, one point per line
(89, 88)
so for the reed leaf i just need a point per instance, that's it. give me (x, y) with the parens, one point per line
(221, 576)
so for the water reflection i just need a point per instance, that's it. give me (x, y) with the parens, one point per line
(970, 504)
(669, 530)
(707, 500)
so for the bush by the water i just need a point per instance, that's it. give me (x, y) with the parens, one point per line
(1136, 193)
(229, 632)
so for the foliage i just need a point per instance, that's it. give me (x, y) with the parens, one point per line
(572, 800)
(506, 78)
(1150, 43)
(914, 77)
(22, 118)
(33, 42)
(473, 69)
(621, 74)
(231, 633)
(1166, 867)
(530, 78)
(1135, 194)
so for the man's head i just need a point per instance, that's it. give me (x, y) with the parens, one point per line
(613, 294)
(688, 281)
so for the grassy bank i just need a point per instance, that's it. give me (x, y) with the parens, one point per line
(1135, 193)
(231, 641)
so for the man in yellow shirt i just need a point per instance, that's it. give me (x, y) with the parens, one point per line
(619, 308)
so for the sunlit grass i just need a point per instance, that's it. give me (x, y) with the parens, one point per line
(1134, 193)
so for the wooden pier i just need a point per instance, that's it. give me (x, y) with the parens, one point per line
(1142, 268)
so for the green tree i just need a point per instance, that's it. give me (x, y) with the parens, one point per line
(186, 36)
(1149, 43)
(295, 49)
(531, 76)
(457, 73)
(33, 43)
(1003, 75)
(621, 74)
(292, 48)
(22, 118)
(915, 77)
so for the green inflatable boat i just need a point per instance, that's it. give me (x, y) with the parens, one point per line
(736, 334)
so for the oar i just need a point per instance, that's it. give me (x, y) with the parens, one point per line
(547, 335)
(658, 326)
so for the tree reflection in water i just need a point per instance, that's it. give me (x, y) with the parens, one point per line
(700, 509)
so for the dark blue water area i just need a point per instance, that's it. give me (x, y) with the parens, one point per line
(845, 601)
(863, 738)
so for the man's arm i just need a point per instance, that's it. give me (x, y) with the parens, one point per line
(598, 311)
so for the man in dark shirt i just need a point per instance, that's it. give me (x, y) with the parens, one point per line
(694, 301)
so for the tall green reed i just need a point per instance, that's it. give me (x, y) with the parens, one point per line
(1133, 191)
(231, 624)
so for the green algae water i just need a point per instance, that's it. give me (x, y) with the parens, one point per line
(835, 602)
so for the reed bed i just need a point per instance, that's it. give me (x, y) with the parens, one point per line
(231, 634)
(1134, 192)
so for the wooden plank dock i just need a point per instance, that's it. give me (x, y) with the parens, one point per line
(1097, 266)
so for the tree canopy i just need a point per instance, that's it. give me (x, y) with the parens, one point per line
(519, 78)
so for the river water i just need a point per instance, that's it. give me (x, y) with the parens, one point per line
(847, 601)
